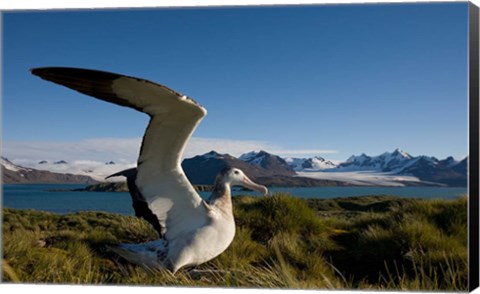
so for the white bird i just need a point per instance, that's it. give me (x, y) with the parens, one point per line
(192, 231)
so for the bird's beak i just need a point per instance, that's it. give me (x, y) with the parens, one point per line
(247, 183)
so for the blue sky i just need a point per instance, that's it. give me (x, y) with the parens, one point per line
(328, 80)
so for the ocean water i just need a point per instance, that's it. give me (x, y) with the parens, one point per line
(44, 197)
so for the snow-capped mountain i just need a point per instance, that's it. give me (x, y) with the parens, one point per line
(426, 168)
(7, 164)
(316, 163)
(249, 156)
(386, 162)
(434, 170)
(17, 174)
(97, 170)
(268, 161)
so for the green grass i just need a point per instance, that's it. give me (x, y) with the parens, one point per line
(371, 242)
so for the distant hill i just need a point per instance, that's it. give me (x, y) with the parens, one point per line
(15, 174)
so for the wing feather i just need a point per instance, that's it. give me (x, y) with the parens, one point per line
(173, 118)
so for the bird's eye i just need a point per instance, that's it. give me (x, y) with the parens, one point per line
(236, 172)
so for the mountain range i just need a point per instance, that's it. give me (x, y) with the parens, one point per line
(16, 174)
(273, 170)
(447, 171)
(264, 168)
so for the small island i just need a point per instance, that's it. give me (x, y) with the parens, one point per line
(122, 187)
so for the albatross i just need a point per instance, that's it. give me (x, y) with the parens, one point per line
(191, 230)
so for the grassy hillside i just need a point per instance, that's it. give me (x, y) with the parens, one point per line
(377, 242)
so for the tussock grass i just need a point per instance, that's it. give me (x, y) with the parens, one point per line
(371, 242)
(417, 244)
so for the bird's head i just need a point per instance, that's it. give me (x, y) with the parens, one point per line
(236, 177)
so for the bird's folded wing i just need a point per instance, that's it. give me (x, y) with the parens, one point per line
(174, 117)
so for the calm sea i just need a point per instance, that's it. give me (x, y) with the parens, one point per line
(41, 197)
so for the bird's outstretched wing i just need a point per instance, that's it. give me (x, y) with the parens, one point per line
(173, 118)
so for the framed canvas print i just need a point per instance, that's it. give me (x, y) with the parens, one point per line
(321, 146)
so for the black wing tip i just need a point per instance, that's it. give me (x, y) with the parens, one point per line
(72, 71)
(128, 173)
(50, 71)
(45, 69)
(38, 71)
